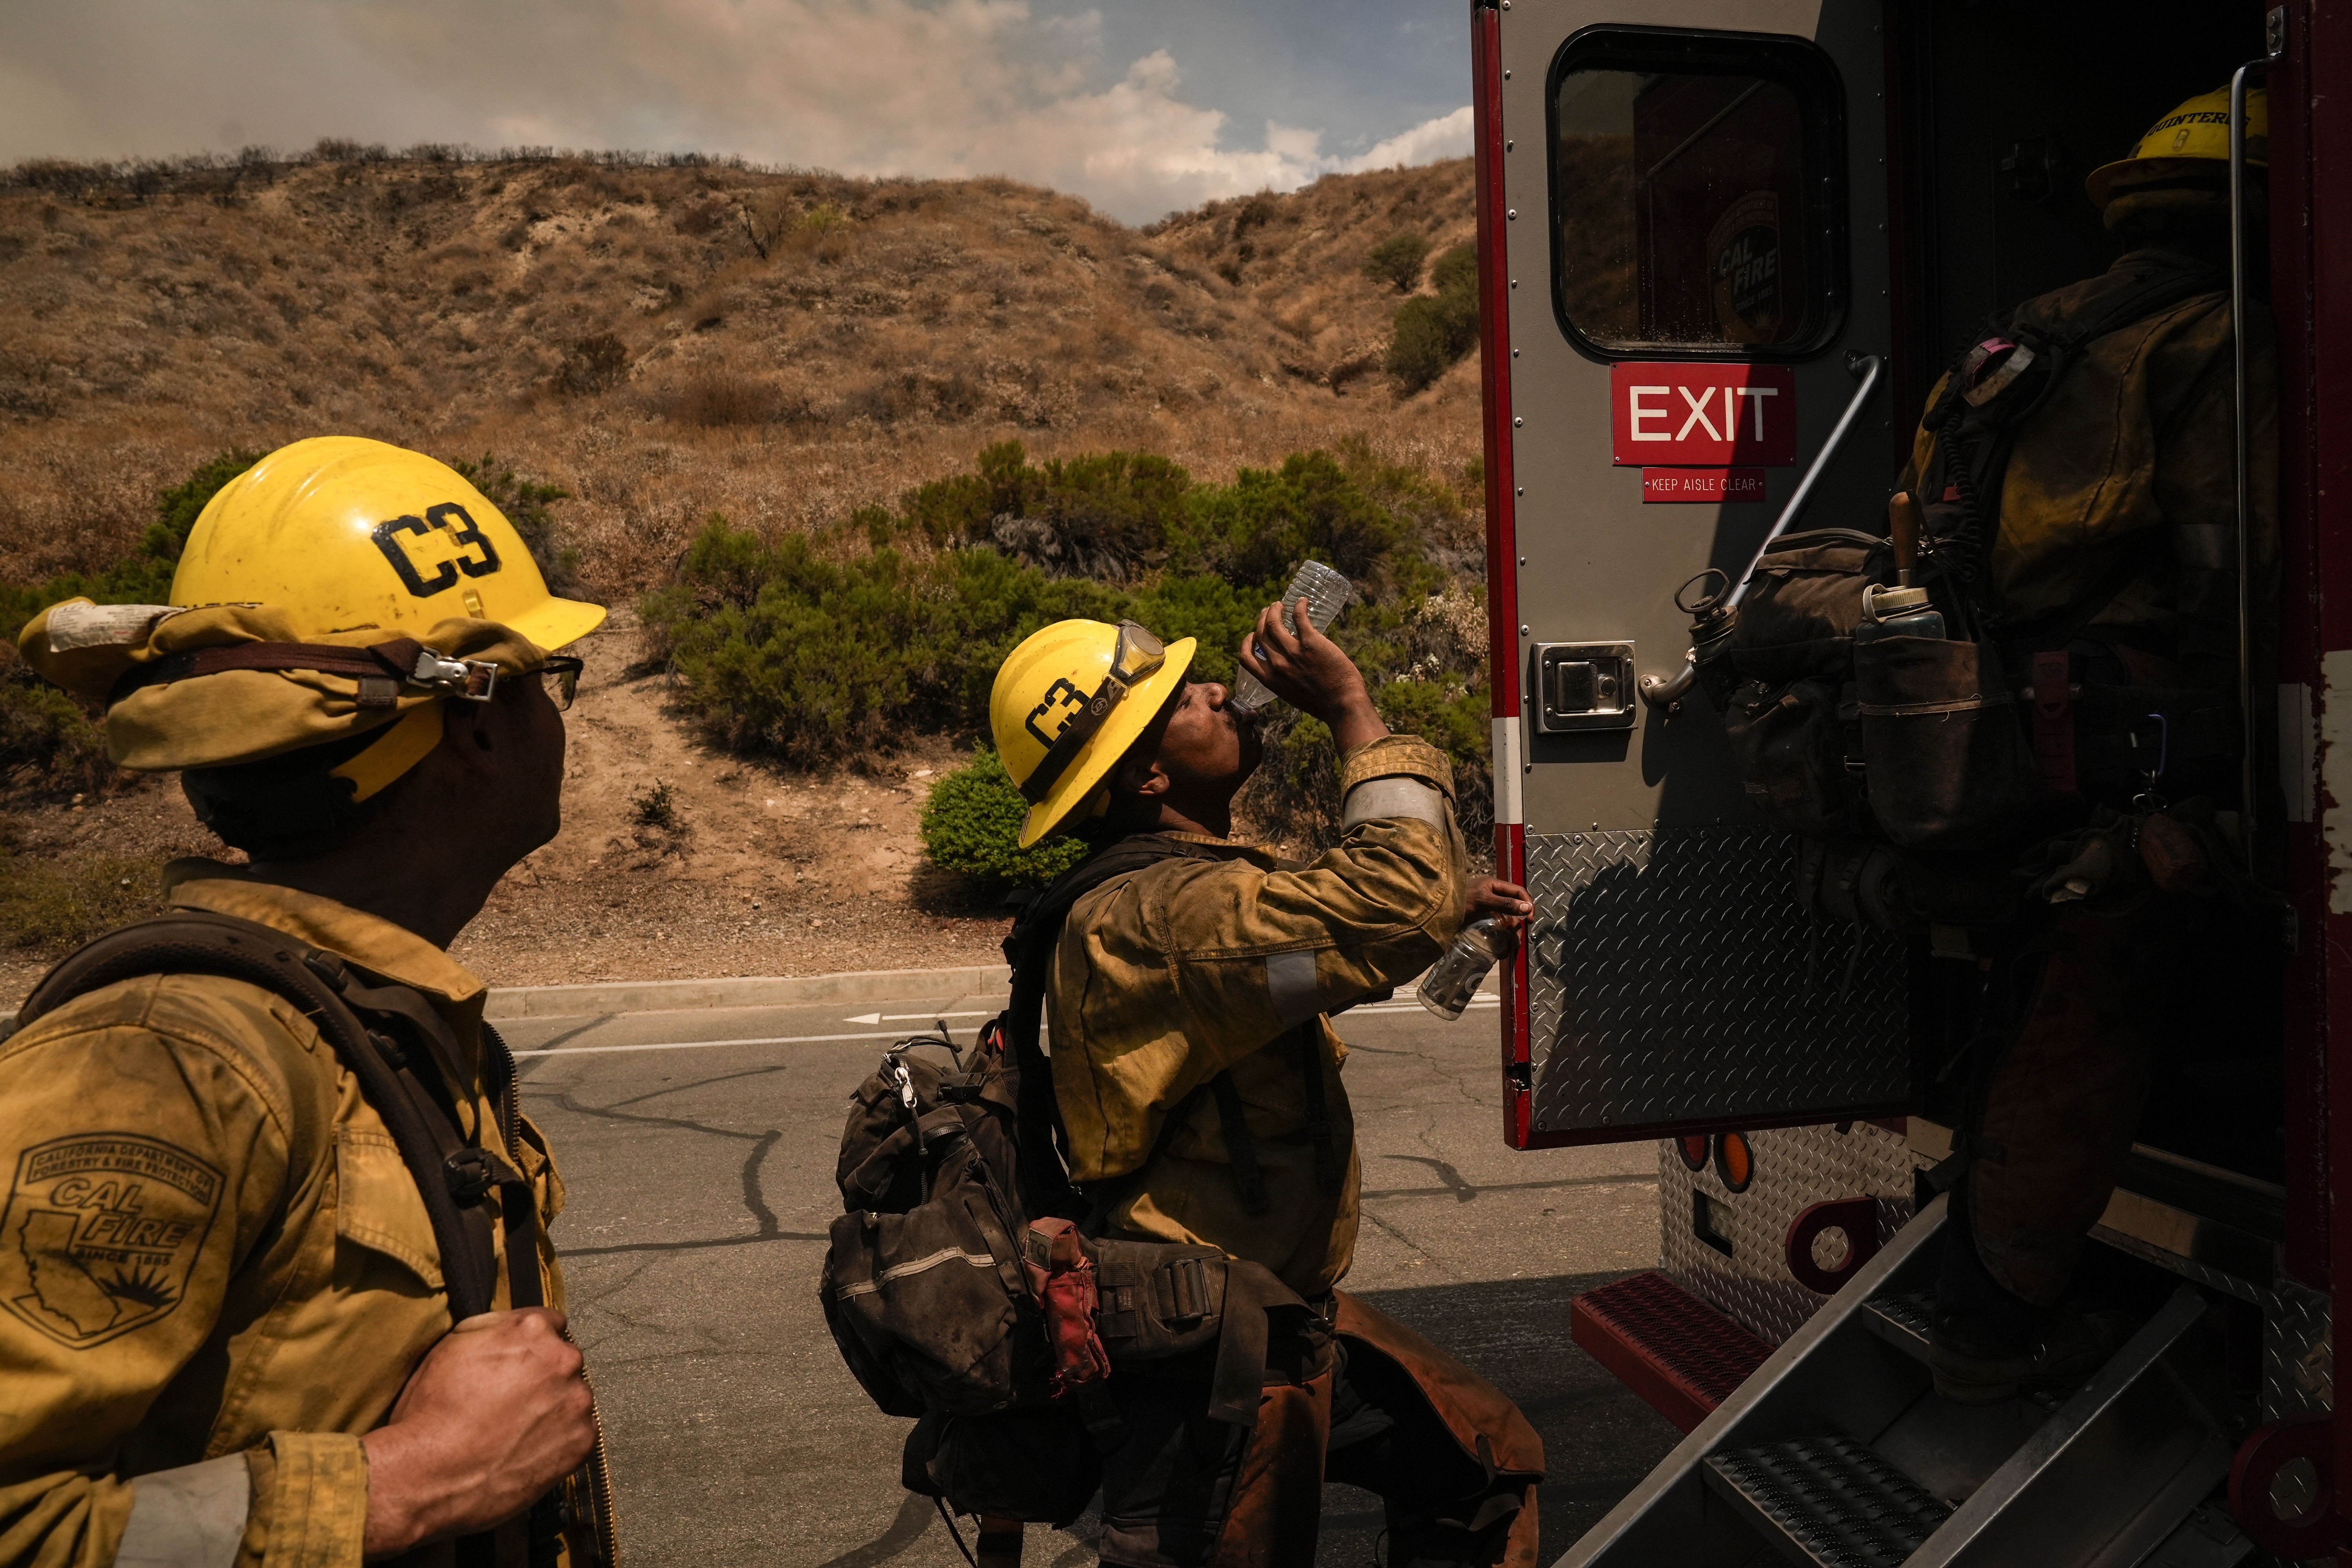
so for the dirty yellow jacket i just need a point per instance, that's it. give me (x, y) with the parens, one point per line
(1166, 977)
(2134, 457)
(216, 1272)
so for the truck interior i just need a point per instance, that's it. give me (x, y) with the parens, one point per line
(2010, 114)
(1836, 1451)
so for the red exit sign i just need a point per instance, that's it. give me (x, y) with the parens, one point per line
(1702, 415)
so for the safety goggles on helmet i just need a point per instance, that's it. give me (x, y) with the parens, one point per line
(1135, 657)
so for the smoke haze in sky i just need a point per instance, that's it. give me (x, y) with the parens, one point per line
(1140, 106)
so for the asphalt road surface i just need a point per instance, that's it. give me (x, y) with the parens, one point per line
(698, 1150)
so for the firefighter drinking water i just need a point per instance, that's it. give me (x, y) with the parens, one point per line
(1188, 984)
(275, 1275)
(2081, 515)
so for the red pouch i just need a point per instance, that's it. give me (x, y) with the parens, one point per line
(1062, 1278)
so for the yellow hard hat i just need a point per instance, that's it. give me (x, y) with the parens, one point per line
(349, 534)
(2196, 136)
(1067, 704)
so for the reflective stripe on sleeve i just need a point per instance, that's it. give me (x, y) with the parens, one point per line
(1393, 796)
(1290, 983)
(192, 1517)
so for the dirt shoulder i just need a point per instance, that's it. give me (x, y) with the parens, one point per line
(765, 872)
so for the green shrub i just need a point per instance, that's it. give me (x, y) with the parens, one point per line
(144, 576)
(833, 647)
(1431, 332)
(48, 740)
(972, 824)
(531, 507)
(1396, 260)
(1106, 516)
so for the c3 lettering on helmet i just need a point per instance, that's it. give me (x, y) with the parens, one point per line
(446, 515)
(1060, 694)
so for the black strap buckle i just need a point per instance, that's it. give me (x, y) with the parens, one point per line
(468, 1173)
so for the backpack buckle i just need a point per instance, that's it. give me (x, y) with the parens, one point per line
(467, 1174)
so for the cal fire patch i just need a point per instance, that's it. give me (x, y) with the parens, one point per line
(101, 1233)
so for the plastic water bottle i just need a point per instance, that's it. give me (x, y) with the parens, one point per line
(1326, 593)
(1454, 979)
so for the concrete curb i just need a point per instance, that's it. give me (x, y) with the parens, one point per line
(792, 991)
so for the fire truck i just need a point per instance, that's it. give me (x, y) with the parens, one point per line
(1726, 247)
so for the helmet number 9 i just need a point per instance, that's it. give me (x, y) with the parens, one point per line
(445, 573)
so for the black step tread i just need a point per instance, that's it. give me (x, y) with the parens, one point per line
(1902, 1320)
(1834, 1499)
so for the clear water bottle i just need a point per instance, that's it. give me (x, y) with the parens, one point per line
(1454, 979)
(1326, 593)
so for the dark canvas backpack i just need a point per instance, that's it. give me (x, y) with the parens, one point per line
(1936, 750)
(943, 1279)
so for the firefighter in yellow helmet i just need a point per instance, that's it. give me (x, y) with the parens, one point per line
(1187, 982)
(2103, 556)
(275, 1278)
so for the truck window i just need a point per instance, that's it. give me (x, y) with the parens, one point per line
(1697, 195)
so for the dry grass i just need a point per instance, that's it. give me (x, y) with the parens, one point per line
(620, 333)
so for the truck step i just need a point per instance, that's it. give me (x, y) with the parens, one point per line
(1837, 1504)
(1674, 1350)
(1903, 1318)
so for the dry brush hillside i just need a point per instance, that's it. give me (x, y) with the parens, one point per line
(663, 342)
(667, 341)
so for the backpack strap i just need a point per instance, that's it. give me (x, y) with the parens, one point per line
(1029, 949)
(451, 1172)
(1971, 454)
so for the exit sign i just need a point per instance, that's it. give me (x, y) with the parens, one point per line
(1707, 415)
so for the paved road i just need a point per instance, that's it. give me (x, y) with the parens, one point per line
(698, 1147)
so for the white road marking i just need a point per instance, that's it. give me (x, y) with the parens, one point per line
(877, 1034)
(912, 1017)
(706, 1044)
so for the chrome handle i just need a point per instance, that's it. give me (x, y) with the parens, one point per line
(1869, 367)
(1667, 692)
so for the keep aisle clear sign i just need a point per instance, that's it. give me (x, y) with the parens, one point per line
(1703, 432)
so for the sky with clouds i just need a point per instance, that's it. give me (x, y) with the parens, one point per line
(1140, 106)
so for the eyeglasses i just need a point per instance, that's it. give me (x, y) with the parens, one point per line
(561, 677)
(1135, 658)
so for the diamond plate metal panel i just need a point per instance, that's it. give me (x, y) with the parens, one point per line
(1675, 979)
(1796, 1167)
(2298, 1354)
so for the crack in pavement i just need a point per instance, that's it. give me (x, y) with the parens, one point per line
(1463, 1191)
(755, 1201)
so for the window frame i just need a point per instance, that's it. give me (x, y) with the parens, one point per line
(1797, 63)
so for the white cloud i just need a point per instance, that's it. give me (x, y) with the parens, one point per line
(1447, 136)
(864, 87)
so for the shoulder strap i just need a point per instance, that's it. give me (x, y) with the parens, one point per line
(451, 1175)
(1029, 949)
(1973, 454)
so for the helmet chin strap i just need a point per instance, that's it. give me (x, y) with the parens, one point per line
(404, 742)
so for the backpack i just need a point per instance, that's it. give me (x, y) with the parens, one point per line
(963, 1284)
(380, 1029)
(1911, 758)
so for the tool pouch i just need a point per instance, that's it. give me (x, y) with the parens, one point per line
(1949, 762)
(1791, 753)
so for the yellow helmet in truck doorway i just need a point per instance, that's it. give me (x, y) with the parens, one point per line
(1067, 704)
(2191, 141)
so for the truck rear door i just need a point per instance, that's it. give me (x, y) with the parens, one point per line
(1683, 216)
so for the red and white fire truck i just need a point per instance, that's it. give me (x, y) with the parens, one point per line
(1726, 247)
